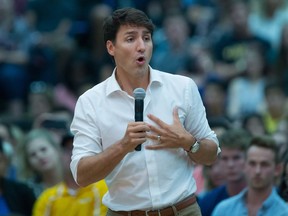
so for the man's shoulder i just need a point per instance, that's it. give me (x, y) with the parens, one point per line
(173, 80)
(278, 203)
(229, 206)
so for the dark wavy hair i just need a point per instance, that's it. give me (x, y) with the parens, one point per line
(125, 16)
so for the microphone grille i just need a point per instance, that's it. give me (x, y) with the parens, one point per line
(139, 93)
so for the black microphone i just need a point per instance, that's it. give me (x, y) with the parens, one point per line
(139, 95)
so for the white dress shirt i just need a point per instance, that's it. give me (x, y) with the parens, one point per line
(146, 179)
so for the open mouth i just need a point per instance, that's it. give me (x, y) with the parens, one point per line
(141, 60)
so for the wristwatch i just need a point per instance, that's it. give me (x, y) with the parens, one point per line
(195, 147)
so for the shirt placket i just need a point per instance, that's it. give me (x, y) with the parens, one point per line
(153, 178)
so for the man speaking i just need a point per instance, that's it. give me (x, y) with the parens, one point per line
(173, 134)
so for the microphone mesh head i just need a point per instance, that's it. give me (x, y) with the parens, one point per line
(139, 93)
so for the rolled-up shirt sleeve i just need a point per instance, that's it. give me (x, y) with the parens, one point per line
(86, 139)
(196, 121)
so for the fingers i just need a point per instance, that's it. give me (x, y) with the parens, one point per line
(163, 124)
(136, 127)
(135, 134)
(175, 115)
(157, 120)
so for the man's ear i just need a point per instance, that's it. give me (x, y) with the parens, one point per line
(110, 47)
(279, 169)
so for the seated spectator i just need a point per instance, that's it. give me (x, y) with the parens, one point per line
(66, 198)
(231, 47)
(267, 19)
(77, 77)
(276, 103)
(40, 162)
(210, 177)
(254, 124)
(57, 122)
(15, 198)
(15, 42)
(214, 177)
(11, 134)
(40, 99)
(260, 197)
(54, 41)
(171, 54)
(246, 93)
(281, 63)
(233, 144)
(215, 100)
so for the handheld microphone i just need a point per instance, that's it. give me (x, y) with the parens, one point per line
(139, 95)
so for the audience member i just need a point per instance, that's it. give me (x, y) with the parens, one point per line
(52, 23)
(170, 54)
(260, 197)
(230, 49)
(281, 136)
(254, 124)
(95, 37)
(57, 122)
(199, 64)
(233, 144)
(78, 76)
(210, 177)
(215, 100)
(67, 198)
(281, 62)
(40, 162)
(246, 93)
(16, 198)
(40, 99)
(214, 177)
(15, 42)
(267, 18)
(276, 104)
(11, 134)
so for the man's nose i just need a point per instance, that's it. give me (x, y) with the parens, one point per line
(141, 45)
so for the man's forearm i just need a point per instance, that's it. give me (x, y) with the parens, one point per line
(95, 168)
(207, 153)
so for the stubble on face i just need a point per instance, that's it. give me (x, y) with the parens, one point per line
(260, 168)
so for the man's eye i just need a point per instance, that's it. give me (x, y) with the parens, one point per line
(147, 38)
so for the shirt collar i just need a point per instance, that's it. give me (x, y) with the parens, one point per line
(267, 203)
(113, 85)
(270, 200)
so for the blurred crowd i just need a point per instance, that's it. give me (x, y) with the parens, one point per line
(51, 51)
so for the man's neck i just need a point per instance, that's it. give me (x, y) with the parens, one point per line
(256, 196)
(129, 83)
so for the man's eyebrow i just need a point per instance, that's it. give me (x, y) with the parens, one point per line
(135, 32)
(130, 32)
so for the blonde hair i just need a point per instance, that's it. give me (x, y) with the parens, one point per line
(25, 169)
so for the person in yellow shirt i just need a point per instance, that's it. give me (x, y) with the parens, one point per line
(67, 198)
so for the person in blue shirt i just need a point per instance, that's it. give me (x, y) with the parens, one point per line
(234, 142)
(260, 197)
